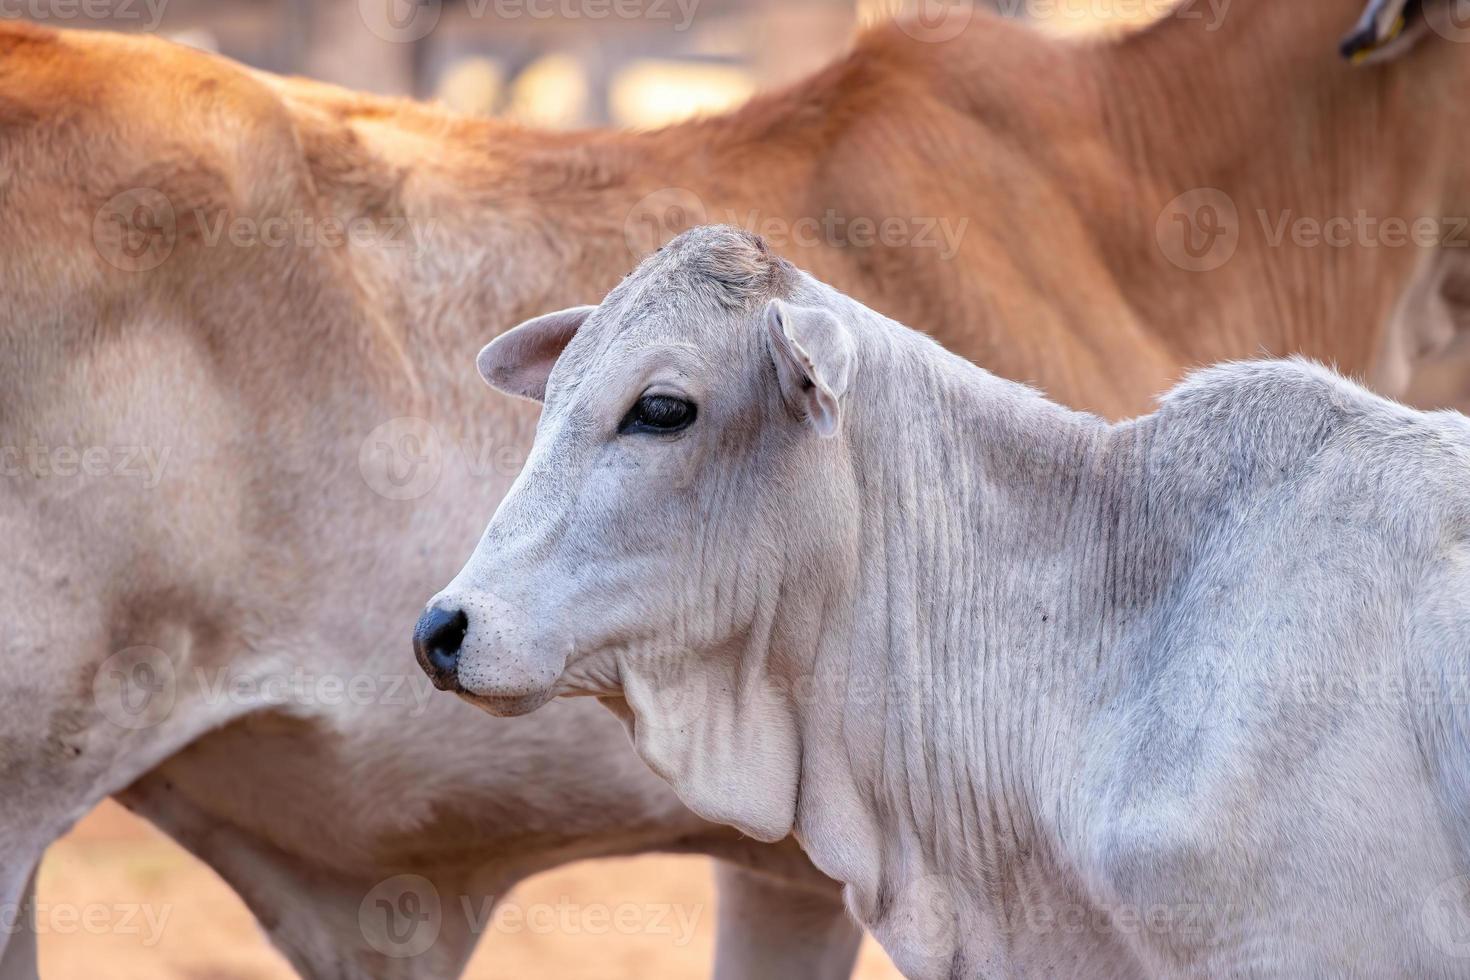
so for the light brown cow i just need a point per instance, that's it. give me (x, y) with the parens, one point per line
(238, 456)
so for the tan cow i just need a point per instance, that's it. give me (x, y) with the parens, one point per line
(239, 452)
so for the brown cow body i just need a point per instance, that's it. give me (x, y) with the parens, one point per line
(277, 539)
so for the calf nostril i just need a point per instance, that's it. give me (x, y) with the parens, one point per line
(436, 640)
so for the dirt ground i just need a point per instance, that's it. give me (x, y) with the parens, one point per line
(119, 900)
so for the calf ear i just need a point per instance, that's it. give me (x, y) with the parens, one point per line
(519, 361)
(813, 354)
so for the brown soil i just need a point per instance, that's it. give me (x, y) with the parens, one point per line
(113, 862)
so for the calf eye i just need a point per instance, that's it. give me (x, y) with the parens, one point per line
(658, 414)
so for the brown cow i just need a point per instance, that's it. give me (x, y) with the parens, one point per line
(240, 451)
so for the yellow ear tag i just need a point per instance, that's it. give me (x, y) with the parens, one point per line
(1394, 31)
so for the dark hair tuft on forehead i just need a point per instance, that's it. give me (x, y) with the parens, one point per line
(732, 264)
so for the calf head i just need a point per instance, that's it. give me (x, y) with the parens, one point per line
(679, 527)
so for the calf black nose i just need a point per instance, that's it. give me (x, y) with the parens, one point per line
(436, 641)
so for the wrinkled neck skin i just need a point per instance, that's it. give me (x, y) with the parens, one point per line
(940, 768)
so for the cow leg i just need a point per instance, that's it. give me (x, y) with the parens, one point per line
(770, 927)
(329, 926)
(19, 959)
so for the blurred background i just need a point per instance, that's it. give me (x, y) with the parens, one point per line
(553, 63)
(549, 63)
